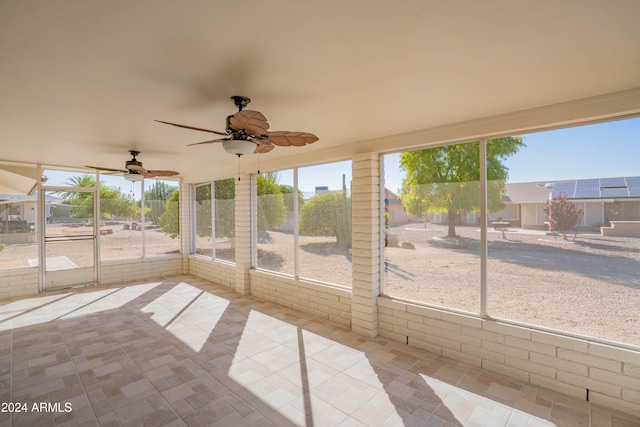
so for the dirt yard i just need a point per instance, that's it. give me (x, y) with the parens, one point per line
(589, 286)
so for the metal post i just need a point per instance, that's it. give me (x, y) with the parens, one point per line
(41, 229)
(382, 224)
(484, 212)
(96, 231)
(142, 219)
(213, 219)
(296, 256)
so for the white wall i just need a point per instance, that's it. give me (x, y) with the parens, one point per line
(570, 365)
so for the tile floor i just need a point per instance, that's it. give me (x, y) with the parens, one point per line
(187, 352)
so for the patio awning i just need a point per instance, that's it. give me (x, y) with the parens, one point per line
(17, 180)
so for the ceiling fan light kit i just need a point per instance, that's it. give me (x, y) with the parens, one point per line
(247, 132)
(238, 147)
(133, 176)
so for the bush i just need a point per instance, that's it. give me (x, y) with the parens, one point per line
(562, 214)
(318, 215)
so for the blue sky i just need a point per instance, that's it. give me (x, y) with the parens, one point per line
(592, 151)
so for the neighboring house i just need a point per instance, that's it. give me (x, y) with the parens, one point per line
(397, 213)
(601, 199)
(18, 215)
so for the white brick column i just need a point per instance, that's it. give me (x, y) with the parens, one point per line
(184, 206)
(243, 233)
(366, 243)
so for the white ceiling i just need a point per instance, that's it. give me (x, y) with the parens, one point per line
(82, 81)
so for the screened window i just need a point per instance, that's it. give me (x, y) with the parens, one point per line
(563, 261)
(325, 223)
(561, 229)
(276, 215)
(18, 246)
(120, 218)
(432, 238)
(225, 209)
(203, 220)
(162, 217)
(320, 250)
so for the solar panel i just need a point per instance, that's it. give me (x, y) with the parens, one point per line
(610, 193)
(566, 188)
(605, 188)
(612, 182)
(587, 189)
(633, 186)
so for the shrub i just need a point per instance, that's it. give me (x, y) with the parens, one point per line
(318, 215)
(562, 214)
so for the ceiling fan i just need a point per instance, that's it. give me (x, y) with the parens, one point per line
(247, 132)
(133, 170)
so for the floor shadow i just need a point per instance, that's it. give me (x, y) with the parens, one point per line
(187, 350)
(238, 367)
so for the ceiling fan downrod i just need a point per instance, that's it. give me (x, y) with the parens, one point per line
(240, 101)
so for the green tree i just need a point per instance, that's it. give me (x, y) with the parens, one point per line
(155, 199)
(271, 206)
(318, 216)
(203, 210)
(447, 178)
(562, 214)
(225, 207)
(343, 217)
(112, 201)
(287, 192)
(169, 220)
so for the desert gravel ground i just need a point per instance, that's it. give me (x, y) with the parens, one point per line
(589, 286)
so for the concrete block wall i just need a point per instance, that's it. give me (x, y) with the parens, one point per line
(18, 282)
(331, 303)
(214, 271)
(365, 216)
(570, 365)
(243, 229)
(125, 270)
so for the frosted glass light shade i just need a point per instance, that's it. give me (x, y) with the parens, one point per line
(133, 177)
(238, 147)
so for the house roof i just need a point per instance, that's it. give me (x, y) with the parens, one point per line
(83, 81)
(579, 189)
(22, 198)
(526, 192)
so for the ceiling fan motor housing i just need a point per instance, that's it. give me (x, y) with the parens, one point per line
(133, 163)
(240, 101)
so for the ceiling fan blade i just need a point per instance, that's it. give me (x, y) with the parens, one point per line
(192, 127)
(263, 148)
(153, 173)
(252, 121)
(138, 169)
(209, 142)
(287, 139)
(105, 169)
